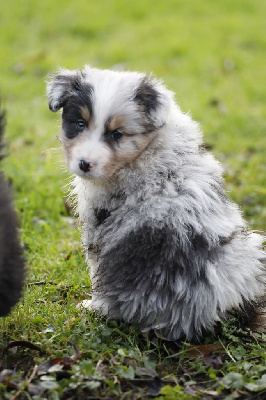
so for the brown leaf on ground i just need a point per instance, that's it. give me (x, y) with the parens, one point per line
(65, 362)
(21, 343)
(202, 350)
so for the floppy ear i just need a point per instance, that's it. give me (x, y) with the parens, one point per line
(59, 87)
(154, 100)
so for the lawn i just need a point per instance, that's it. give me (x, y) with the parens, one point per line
(212, 54)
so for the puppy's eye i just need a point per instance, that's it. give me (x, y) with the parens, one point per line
(80, 125)
(116, 134)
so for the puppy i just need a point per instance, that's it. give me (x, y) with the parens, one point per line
(166, 247)
(12, 266)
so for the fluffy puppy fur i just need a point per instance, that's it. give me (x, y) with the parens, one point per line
(12, 269)
(166, 247)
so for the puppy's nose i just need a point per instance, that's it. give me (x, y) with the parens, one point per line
(85, 166)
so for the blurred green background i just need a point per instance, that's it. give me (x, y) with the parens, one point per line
(211, 53)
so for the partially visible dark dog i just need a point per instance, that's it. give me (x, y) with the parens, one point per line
(12, 266)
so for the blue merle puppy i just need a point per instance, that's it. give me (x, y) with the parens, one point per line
(12, 266)
(167, 249)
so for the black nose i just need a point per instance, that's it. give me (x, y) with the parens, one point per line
(84, 166)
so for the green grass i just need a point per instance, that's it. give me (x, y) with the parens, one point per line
(212, 54)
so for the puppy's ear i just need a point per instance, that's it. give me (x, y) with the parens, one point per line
(59, 87)
(154, 100)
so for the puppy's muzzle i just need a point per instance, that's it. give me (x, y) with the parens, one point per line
(86, 166)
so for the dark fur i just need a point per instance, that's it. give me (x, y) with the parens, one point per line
(12, 266)
(147, 97)
(152, 252)
(73, 88)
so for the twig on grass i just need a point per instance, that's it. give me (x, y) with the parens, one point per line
(41, 283)
(26, 384)
(227, 351)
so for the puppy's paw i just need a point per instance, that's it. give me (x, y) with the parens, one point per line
(93, 305)
(85, 304)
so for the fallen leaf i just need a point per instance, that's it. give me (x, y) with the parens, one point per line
(44, 368)
(36, 389)
(21, 343)
(65, 362)
(213, 360)
(155, 387)
(145, 372)
(203, 350)
(9, 378)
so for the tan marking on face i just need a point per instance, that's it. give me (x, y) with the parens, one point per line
(116, 122)
(69, 144)
(129, 150)
(85, 113)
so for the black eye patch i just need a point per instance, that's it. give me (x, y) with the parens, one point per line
(78, 109)
(72, 122)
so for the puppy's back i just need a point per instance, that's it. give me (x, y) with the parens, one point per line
(12, 267)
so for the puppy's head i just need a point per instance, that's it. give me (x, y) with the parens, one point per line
(108, 118)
